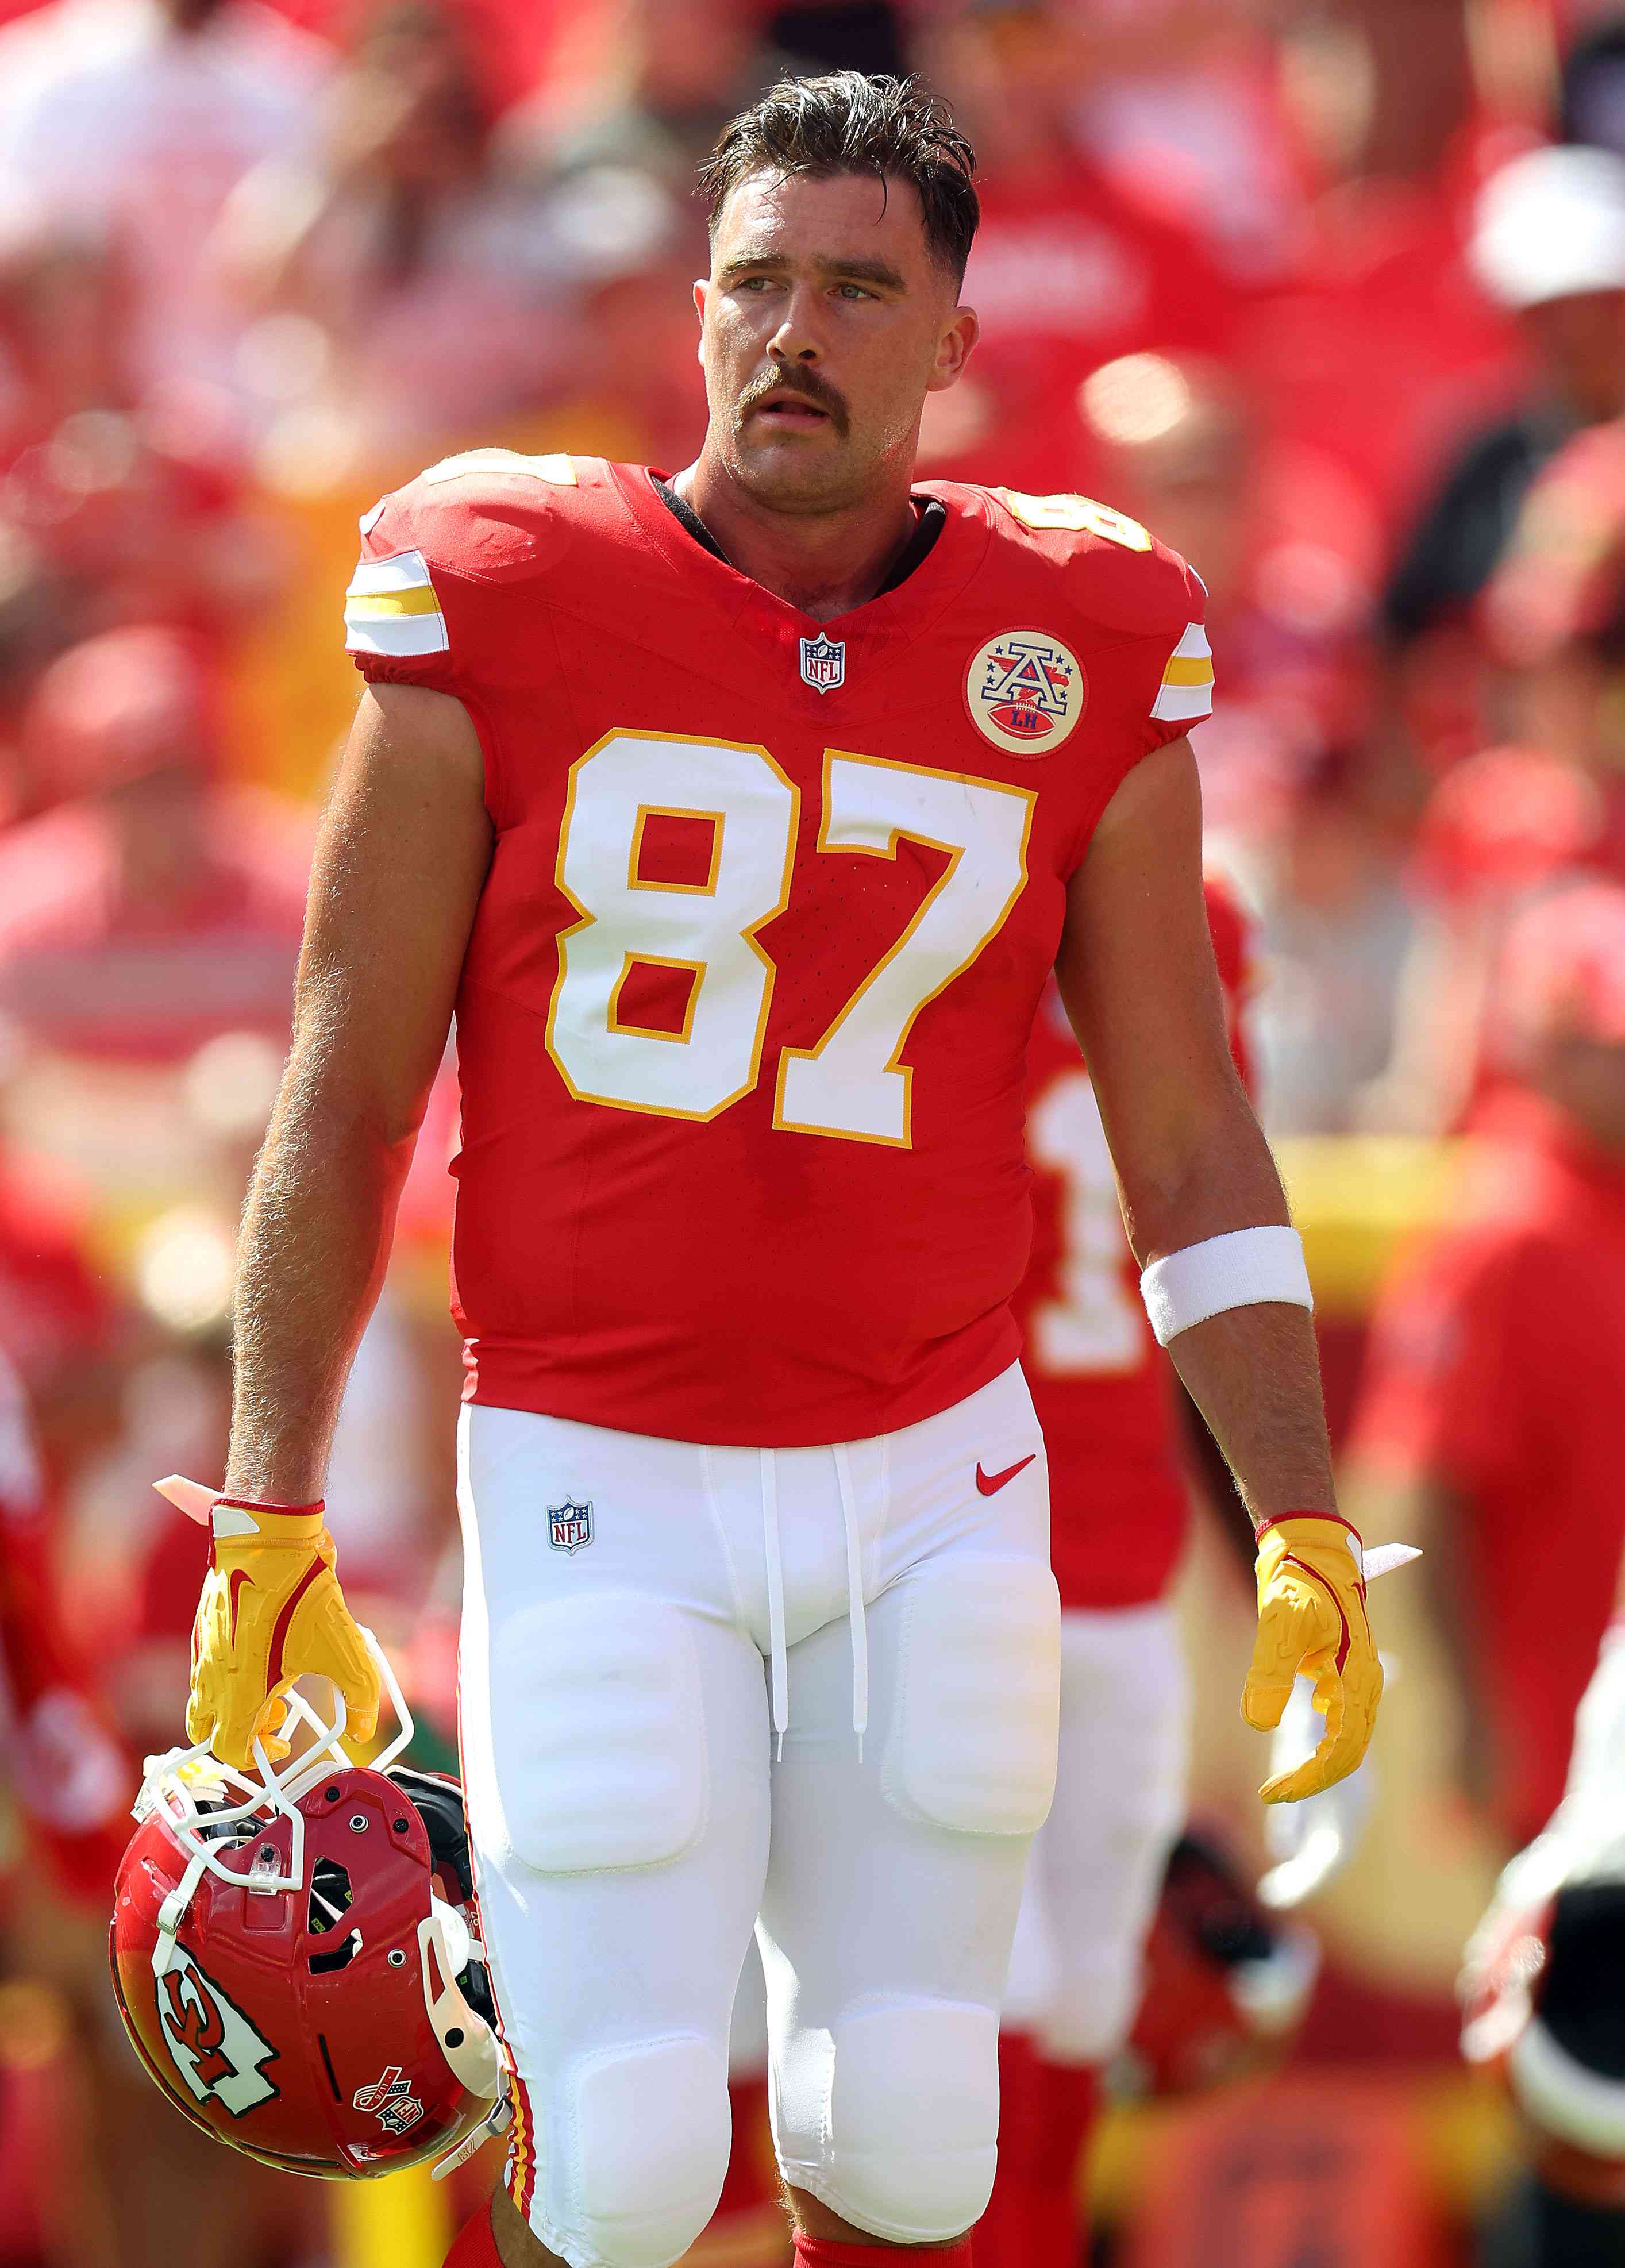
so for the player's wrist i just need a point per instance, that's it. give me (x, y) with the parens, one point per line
(246, 1520)
(1280, 1519)
(286, 1511)
(1324, 1540)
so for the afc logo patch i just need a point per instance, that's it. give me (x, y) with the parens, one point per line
(823, 663)
(391, 2100)
(1026, 692)
(211, 2044)
(569, 1526)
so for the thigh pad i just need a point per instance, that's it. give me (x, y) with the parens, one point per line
(598, 1732)
(972, 1740)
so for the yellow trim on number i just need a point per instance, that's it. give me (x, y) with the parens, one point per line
(954, 852)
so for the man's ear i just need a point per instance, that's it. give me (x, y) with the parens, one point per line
(702, 293)
(953, 350)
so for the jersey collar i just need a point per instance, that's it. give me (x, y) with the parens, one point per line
(895, 616)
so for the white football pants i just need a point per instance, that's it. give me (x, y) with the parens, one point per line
(1091, 1891)
(639, 1615)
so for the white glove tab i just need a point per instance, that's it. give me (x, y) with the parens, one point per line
(1312, 1839)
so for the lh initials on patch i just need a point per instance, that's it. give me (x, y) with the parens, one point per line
(569, 1526)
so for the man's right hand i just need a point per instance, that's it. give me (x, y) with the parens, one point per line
(271, 1611)
(1311, 1577)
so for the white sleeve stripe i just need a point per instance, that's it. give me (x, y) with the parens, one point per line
(1178, 704)
(398, 634)
(1193, 646)
(408, 570)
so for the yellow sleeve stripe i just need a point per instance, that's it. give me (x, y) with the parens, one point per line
(373, 605)
(391, 608)
(1186, 693)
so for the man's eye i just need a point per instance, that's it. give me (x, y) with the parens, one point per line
(852, 291)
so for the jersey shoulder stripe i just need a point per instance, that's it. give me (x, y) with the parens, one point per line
(1186, 690)
(391, 607)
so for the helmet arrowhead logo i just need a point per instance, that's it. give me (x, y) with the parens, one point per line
(197, 2025)
(211, 2044)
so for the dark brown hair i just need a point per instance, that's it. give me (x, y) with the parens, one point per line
(848, 122)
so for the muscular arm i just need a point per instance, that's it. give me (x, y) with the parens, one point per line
(1137, 973)
(400, 865)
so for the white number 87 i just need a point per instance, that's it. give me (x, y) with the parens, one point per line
(852, 1083)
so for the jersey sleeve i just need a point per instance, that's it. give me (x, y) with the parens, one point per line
(1149, 667)
(450, 588)
(1143, 612)
(403, 603)
(1158, 682)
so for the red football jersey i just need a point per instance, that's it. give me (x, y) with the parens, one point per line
(1102, 1386)
(1497, 1368)
(743, 1021)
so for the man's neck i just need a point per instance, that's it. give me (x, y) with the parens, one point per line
(824, 563)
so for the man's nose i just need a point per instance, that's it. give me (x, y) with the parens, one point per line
(795, 338)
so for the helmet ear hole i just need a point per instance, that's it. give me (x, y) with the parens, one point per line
(325, 1965)
(329, 1896)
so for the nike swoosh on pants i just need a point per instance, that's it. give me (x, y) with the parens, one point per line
(990, 1484)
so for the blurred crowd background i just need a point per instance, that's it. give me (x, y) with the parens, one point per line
(1329, 293)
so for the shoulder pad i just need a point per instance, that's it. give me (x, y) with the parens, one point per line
(1117, 573)
(555, 471)
(488, 514)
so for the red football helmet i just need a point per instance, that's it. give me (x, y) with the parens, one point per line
(297, 1960)
(1227, 1983)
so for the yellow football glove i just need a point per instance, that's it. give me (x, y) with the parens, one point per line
(271, 1611)
(1311, 1576)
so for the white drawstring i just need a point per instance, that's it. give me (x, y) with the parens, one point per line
(777, 1651)
(776, 1598)
(854, 1598)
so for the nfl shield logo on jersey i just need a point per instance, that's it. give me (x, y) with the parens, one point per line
(570, 1525)
(823, 662)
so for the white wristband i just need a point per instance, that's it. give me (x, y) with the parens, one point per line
(1242, 1270)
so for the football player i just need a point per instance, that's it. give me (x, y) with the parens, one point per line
(741, 817)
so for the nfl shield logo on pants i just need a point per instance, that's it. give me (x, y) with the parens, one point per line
(570, 1525)
(823, 663)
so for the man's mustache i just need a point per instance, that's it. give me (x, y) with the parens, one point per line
(793, 379)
